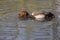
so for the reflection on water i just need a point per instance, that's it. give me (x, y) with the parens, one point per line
(25, 29)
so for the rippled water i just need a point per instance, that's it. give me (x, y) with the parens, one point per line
(11, 28)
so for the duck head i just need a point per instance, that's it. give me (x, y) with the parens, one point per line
(23, 14)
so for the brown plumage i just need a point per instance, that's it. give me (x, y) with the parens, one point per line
(38, 13)
(23, 14)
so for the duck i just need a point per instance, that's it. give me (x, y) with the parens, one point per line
(49, 16)
(39, 15)
(23, 14)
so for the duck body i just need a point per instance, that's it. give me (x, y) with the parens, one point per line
(39, 15)
(36, 15)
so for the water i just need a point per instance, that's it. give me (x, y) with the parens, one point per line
(11, 28)
(24, 29)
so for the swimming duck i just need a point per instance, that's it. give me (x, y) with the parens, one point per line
(39, 15)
